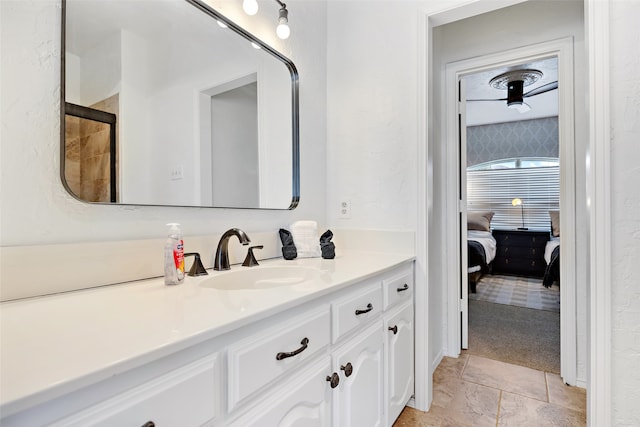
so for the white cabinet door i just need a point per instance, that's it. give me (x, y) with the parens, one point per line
(359, 362)
(398, 326)
(304, 401)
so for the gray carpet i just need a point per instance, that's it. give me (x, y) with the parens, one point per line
(518, 335)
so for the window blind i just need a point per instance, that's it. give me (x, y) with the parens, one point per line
(493, 190)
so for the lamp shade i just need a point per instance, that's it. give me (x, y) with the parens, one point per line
(516, 202)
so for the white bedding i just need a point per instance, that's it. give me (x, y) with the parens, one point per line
(485, 238)
(551, 245)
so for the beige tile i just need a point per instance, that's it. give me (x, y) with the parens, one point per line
(564, 395)
(521, 411)
(95, 143)
(474, 405)
(436, 417)
(516, 379)
(445, 389)
(451, 366)
(447, 379)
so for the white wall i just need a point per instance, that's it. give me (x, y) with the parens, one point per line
(240, 157)
(625, 211)
(35, 208)
(473, 37)
(372, 120)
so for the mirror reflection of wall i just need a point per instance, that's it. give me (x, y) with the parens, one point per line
(158, 59)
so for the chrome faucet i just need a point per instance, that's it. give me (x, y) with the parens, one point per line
(221, 261)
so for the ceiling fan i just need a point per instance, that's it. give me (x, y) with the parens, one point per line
(514, 82)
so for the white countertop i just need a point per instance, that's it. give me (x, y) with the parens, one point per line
(53, 345)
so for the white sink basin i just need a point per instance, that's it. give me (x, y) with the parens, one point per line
(255, 278)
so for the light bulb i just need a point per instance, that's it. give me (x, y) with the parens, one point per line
(522, 107)
(250, 6)
(283, 31)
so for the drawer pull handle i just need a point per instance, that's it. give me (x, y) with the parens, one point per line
(334, 379)
(149, 424)
(282, 355)
(368, 309)
(404, 288)
(394, 329)
(348, 369)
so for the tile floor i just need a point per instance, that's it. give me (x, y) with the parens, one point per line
(475, 391)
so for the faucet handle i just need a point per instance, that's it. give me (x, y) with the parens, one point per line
(197, 269)
(250, 259)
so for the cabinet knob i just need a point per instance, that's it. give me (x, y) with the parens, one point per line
(368, 309)
(284, 355)
(404, 288)
(333, 379)
(149, 424)
(348, 369)
(394, 329)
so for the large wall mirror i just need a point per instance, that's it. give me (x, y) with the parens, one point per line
(167, 102)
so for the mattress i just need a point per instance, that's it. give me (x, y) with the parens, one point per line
(551, 245)
(485, 238)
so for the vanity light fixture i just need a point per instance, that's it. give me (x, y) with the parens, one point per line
(250, 6)
(519, 202)
(282, 30)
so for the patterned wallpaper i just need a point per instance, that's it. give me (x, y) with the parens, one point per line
(527, 138)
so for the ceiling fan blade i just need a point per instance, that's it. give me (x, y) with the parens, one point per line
(497, 99)
(542, 89)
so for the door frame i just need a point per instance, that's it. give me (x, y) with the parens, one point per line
(562, 49)
(597, 39)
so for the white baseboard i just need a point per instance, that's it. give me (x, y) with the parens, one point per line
(436, 361)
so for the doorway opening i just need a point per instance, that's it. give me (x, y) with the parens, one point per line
(512, 211)
(511, 188)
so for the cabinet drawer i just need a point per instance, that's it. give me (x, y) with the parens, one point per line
(356, 309)
(188, 396)
(524, 252)
(264, 357)
(525, 267)
(397, 288)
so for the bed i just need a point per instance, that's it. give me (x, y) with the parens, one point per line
(552, 252)
(481, 246)
(481, 250)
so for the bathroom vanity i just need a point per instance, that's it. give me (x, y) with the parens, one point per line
(332, 345)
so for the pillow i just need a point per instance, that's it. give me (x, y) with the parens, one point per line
(555, 223)
(479, 221)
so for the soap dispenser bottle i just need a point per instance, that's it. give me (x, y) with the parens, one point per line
(174, 256)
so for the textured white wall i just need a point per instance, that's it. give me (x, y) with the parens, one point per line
(372, 119)
(625, 211)
(35, 208)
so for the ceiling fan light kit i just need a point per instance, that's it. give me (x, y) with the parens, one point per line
(527, 76)
(514, 82)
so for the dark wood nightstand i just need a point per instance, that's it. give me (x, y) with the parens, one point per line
(520, 252)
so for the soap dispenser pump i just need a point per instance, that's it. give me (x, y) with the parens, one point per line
(174, 256)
